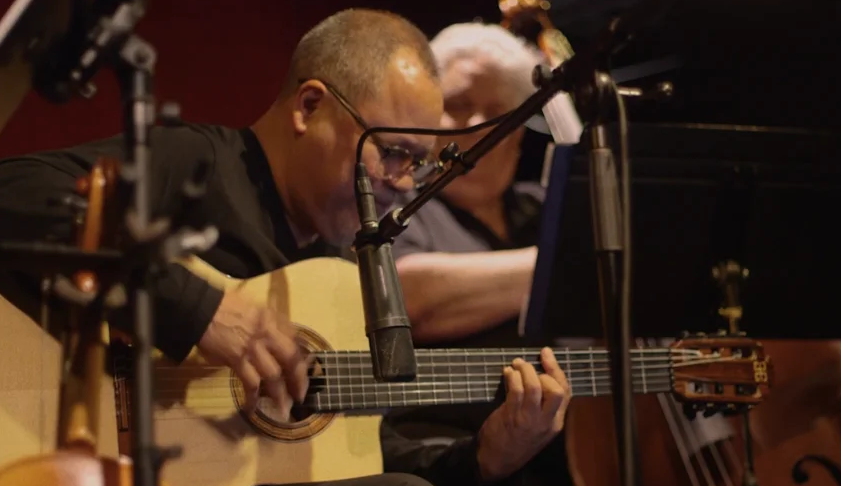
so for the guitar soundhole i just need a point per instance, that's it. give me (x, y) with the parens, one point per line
(299, 413)
(298, 423)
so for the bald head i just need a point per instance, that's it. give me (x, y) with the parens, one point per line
(353, 49)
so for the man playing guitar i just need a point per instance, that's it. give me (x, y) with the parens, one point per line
(282, 191)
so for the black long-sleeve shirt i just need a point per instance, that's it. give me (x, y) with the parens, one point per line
(254, 238)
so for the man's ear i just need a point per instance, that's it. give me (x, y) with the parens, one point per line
(308, 99)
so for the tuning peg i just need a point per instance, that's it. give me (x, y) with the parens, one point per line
(721, 332)
(684, 335)
(729, 410)
(88, 90)
(700, 334)
(449, 152)
(690, 410)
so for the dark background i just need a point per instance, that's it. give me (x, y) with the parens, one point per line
(754, 62)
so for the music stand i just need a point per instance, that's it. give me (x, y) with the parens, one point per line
(700, 195)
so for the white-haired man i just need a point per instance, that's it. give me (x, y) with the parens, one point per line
(466, 263)
(476, 241)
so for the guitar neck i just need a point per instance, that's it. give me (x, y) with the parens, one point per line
(459, 376)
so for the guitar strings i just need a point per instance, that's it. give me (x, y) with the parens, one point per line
(594, 376)
(653, 374)
(384, 395)
(387, 394)
(564, 355)
(645, 362)
(488, 378)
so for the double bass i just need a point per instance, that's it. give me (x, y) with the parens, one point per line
(794, 436)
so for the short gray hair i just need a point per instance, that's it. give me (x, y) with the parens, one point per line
(352, 48)
(512, 56)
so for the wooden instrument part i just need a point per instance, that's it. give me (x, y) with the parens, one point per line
(68, 468)
(672, 450)
(75, 462)
(797, 431)
(86, 349)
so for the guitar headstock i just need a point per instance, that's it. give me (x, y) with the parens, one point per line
(720, 373)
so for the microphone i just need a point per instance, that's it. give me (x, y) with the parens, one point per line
(386, 321)
(562, 118)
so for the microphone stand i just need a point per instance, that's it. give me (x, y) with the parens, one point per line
(134, 68)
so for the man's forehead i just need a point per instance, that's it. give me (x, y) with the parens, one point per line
(406, 109)
(400, 114)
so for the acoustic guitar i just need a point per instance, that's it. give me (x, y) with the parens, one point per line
(335, 435)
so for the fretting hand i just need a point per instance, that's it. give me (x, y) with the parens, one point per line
(259, 346)
(531, 416)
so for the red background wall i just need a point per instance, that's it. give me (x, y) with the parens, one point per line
(221, 60)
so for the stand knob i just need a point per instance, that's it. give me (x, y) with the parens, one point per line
(449, 152)
(70, 201)
(88, 90)
(664, 90)
(170, 114)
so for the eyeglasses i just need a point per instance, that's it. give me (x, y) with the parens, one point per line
(397, 161)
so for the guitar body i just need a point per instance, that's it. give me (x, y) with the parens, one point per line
(199, 411)
(30, 360)
(196, 406)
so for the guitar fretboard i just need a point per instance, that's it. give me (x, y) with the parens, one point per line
(454, 376)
